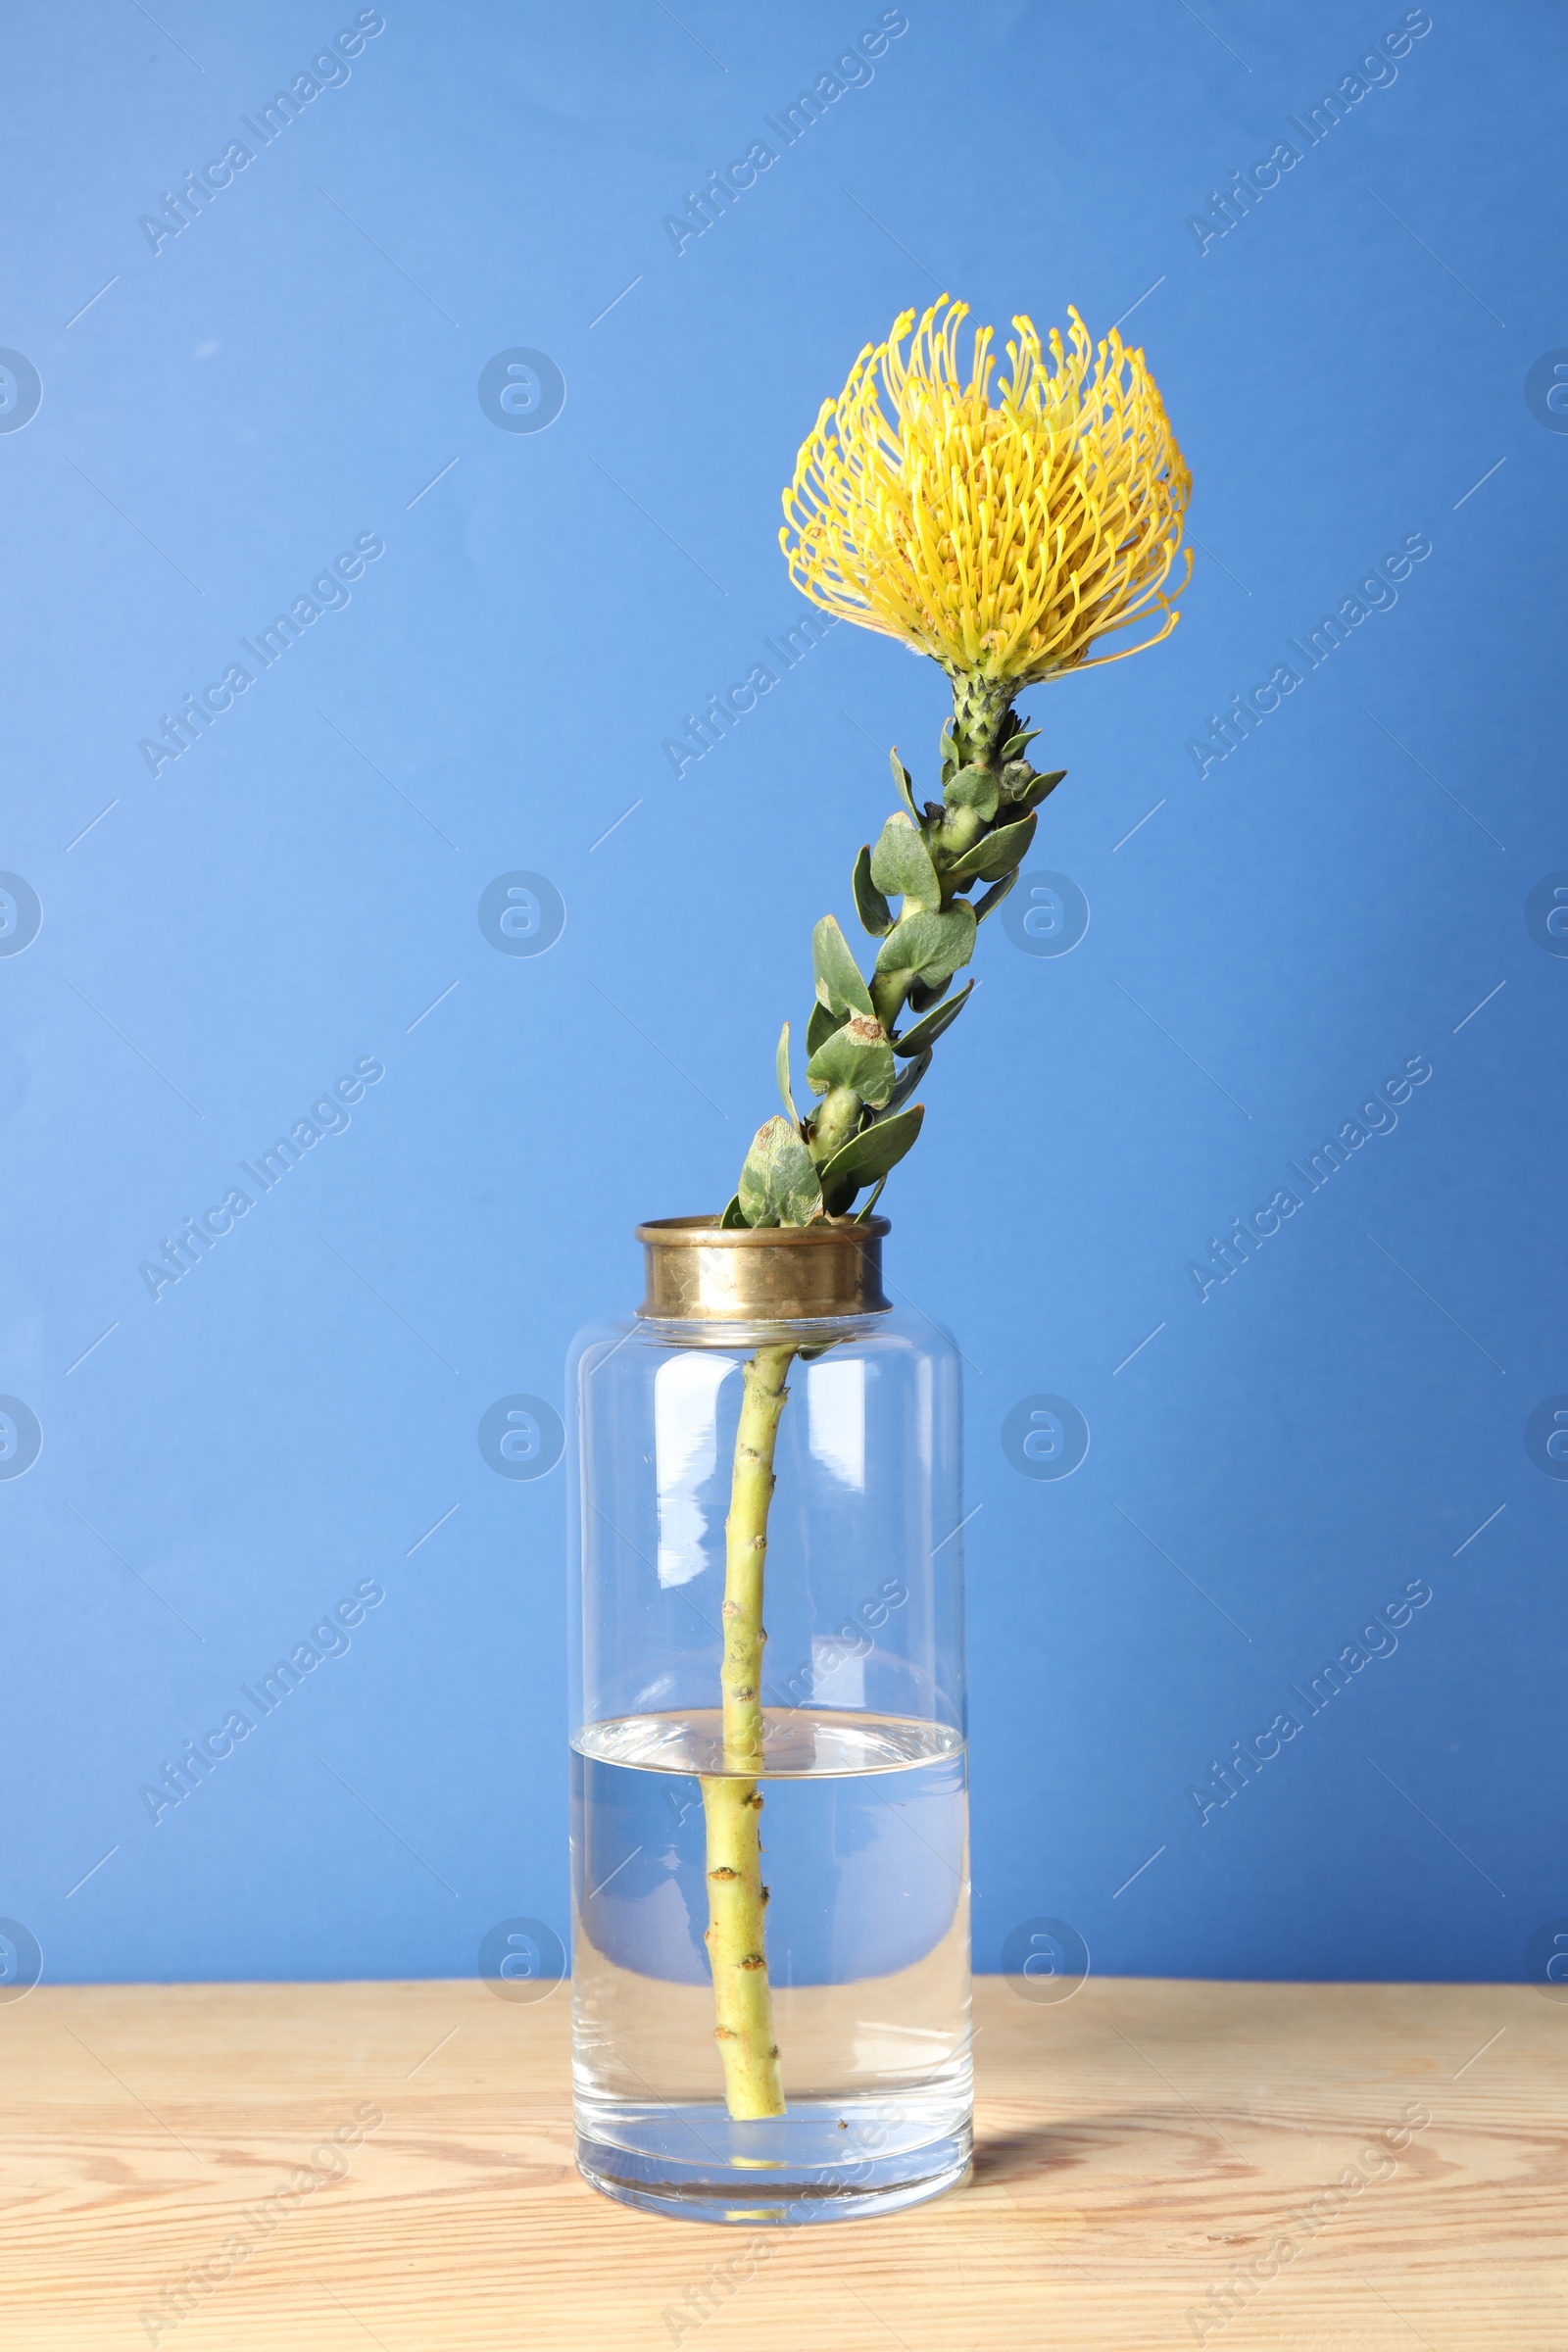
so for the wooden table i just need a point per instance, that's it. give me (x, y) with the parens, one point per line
(1139, 2147)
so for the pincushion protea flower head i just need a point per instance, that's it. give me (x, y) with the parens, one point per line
(1004, 540)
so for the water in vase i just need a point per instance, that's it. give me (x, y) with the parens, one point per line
(865, 1835)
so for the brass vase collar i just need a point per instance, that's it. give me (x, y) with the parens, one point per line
(698, 1272)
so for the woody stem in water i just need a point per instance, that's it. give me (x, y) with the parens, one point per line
(732, 1803)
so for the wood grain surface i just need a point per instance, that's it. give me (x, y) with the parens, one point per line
(1140, 2146)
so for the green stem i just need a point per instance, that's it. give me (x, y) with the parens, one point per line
(957, 832)
(742, 1999)
(888, 995)
(835, 1123)
(732, 1803)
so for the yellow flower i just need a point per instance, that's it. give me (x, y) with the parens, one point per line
(1004, 540)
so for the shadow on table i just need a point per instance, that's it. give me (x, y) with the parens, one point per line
(1003, 2158)
(1039, 2152)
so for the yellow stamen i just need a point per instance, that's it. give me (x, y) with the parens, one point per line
(1003, 539)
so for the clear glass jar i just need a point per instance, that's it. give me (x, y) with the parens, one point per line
(857, 1970)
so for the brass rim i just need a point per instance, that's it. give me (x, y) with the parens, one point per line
(700, 1272)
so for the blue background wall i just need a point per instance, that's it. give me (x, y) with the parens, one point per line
(297, 369)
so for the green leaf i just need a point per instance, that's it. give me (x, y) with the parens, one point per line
(922, 998)
(1036, 791)
(732, 1216)
(1016, 745)
(779, 1183)
(904, 782)
(923, 1036)
(859, 1056)
(932, 946)
(949, 751)
(876, 915)
(994, 896)
(995, 854)
(900, 866)
(906, 1081)
(973, 788)
(781, 1067)
(838, 984)
(876, 1194)
(821, 1027)
(874, 1150)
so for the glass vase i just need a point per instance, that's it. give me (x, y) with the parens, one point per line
(799, 2054)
